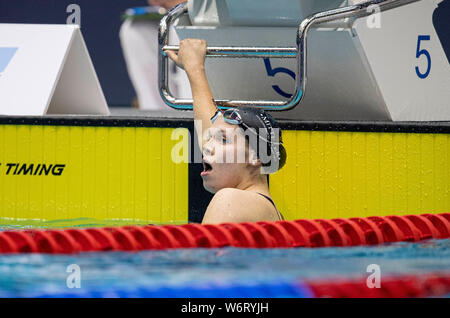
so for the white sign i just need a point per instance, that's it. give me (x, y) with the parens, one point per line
(46, 69)
(407, 58)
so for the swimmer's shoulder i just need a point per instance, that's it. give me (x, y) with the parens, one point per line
(235, 205)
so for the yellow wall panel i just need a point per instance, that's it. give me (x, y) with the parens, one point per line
(413, 172)
(48, 143)
(358, 180)
(102, 178)
(128, 168)
(114, 172)
(10, 155)
(127, 173)
(386, 192)
(303, 174)
(23, 182)
(36, 205)
(372, 172)
(168, 181)
(88, 174)
(399, 161)
(317, 174)
(110, 173)
(442, 173)
(141, 174)
(62, 183)
(427, 173)
(75, 180)
(344, 174)
(349, 174)
(155, 175)
(330, 174)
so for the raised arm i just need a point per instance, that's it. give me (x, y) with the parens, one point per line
(191, 57)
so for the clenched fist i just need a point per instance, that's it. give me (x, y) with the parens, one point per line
(191, 55)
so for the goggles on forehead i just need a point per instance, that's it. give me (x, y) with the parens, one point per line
(232, 116)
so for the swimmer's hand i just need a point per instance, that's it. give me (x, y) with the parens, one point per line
(191, 55)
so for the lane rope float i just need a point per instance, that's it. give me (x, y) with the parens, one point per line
(279, 234)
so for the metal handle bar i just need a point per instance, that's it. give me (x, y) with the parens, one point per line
(299, 52)
(255, 52)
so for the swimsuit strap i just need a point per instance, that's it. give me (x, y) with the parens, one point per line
(271, 201)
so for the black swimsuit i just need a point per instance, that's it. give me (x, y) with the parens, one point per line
(271, 201)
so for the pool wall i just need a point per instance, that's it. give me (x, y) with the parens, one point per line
(120, 168)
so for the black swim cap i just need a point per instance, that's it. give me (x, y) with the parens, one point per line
(269, 149)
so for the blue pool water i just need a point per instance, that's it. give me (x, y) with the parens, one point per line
(118, 274)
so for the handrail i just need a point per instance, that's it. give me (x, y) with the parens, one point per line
(299, 52)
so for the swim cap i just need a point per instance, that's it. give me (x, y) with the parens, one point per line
(269, 145)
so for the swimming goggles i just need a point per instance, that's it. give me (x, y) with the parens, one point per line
(232, 116)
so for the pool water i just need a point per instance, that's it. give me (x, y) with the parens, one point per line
(134, 274)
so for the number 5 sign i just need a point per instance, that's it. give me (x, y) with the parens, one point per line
(408, 61)
(273, 71)
(425, 53)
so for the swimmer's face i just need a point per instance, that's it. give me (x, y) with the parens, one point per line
(226, 159)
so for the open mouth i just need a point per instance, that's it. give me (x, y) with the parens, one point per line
(206, 168)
